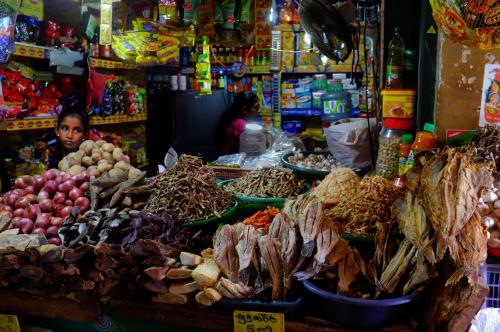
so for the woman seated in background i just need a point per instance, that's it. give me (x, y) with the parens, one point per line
(244, 109)
(72, 129)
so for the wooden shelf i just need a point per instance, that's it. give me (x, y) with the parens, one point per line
(47, 123)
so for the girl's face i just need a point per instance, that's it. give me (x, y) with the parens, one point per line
(252, 112)
(71, 133)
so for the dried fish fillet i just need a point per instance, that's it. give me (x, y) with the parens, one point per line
(225, 256)
(309, 225)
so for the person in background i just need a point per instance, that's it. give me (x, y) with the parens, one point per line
(72, 129)
(245, 108)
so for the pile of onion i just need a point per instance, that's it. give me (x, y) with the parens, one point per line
(39, 204)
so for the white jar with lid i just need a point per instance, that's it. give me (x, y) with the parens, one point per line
(253, 140)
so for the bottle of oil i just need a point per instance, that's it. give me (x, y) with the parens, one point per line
(395, 62)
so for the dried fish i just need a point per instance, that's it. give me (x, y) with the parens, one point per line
(267, 182)
(188, 191)
(309, 225)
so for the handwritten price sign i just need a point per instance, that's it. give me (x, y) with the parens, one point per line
(254, 321)
(9, 323)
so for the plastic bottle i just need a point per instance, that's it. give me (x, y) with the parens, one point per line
(395, 61)
(389, 142)
(404, 152)
(424, 140)
(336, 103)
(253, 140)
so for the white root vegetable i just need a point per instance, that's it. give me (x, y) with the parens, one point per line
(133, 172)
(87, 147)
(76, 169)
(107, 147)
(117, 173)
(496, 205)
(63, 165)
(107, 156)
(96, 156)
(496, 212)
(87, 161)
(123, 166)
(100, 143)
(483, 208)
(104, 167)
(488, 222)
(92, 170)
(117, 154)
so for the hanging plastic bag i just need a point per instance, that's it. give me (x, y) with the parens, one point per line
(8, 15)
(349, 142)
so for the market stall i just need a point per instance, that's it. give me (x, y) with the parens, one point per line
(333, 208)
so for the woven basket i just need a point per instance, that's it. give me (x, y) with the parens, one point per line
(229, 173)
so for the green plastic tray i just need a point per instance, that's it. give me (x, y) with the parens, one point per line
(259, 200)
(351, 237)
(214, 219)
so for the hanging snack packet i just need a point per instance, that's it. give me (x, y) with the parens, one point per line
(228, 8)
(167, 10)
(191, 11)
(203, 69)
(245, 12)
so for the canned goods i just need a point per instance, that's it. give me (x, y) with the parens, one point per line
(174, 83)
(182, 83)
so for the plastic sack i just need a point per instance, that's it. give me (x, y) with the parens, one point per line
(469, 22)
(486, 320)
(349, 142)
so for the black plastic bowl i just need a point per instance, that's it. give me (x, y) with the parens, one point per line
(355, 312)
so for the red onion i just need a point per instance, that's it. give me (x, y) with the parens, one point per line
(32, 198)
(57, 210)
(18, 212)
(50, 186)
(66, 211)
(51, 174)
(19, 192)
(22, 202)
(75, 193)
(39, 231)
(59, 197)
(56, 221)
(31, 212)
(14, 221)
(2, 200)
(66, 186)
(29, 190)
(85, 187)
(7, 208)
(26, 225)
(11, 198)
(43, 220)
(68, 202)
(46, 205)
(52, 231)
(80, 178)
(38, 182)
(21, 183)
(66, 176)
(55, 240)
(43, 195)
(83, 203)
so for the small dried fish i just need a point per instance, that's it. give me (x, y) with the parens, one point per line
(267, 182)
(188, 191)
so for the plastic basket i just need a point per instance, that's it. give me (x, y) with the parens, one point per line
(229, 173)
(492, 276)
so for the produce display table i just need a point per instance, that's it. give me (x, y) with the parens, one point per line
(18, 303)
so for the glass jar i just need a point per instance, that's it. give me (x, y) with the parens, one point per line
(253, 140)
(388, 149)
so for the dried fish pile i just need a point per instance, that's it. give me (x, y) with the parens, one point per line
(443, 237)
(487, 145)
(368, 203)
(268, 182)
(337, 185)
(127, 226)
(318, 162)
(188, 192)
(252, 261)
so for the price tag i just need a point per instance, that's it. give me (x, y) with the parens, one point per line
(9, 323)
(254, 321)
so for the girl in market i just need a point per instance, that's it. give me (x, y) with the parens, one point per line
(72, 129)
(244, 109)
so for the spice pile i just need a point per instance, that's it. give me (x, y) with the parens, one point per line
(318, 162)
(188, 192)
(262, 219)
(274, 182)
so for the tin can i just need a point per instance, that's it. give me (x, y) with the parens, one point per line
(182, 83)
(174, 85)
